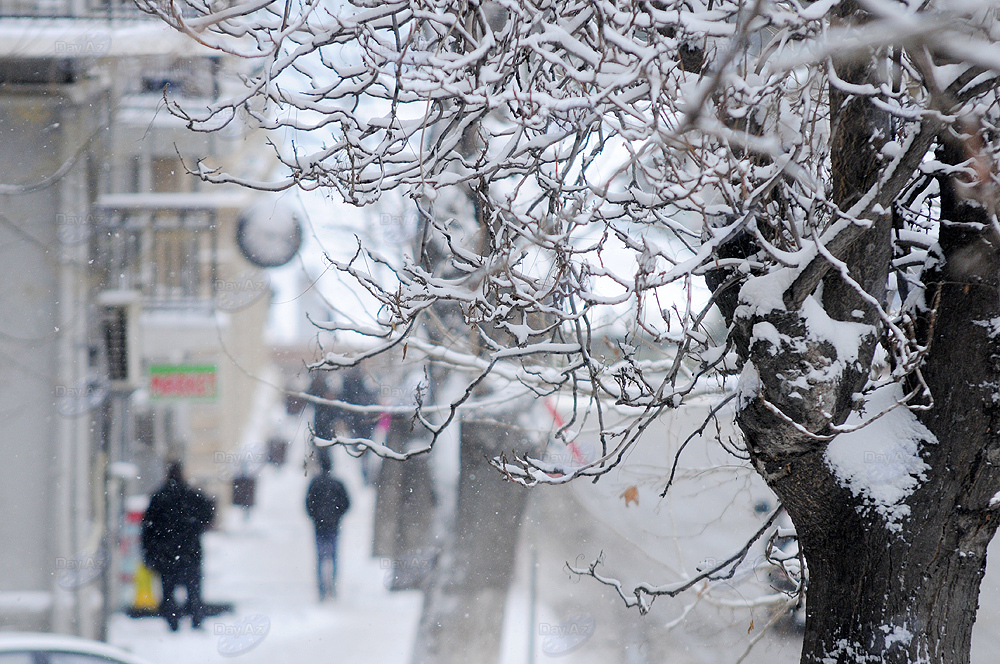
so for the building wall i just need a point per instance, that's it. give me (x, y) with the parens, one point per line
(58, 432)
(47, 522)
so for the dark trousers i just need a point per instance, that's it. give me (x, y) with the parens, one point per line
(190, 578)
(326, 556)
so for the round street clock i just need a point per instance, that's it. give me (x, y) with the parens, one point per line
(269, 234)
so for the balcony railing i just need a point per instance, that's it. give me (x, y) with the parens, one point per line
(163, 245)
(168, 256)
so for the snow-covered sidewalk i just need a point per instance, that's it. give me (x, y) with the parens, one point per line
(266, 567)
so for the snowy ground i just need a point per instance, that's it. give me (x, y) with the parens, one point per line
(266, 567)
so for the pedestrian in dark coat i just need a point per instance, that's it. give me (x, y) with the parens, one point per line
(324, 416)
(360, 425)
(326, 503)
(354, 391)
(171, 541)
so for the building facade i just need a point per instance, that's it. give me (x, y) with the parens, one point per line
(131, 326)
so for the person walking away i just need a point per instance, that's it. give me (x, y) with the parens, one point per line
(326, 503)
(171, 541)
(360, 424)
(356, 392)
(324, 416)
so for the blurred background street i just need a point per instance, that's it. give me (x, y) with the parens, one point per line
(266, 565)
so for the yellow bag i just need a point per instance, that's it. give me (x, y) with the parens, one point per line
(145, 598)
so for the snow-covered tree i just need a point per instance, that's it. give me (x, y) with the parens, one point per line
(822, 174)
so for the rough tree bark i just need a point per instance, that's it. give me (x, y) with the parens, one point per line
(867, 583)
(878, 594)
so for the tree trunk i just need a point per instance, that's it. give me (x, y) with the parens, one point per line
(462, 620)
(404, 502)
(876, 595)
(879, 590)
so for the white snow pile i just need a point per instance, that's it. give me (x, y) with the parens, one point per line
(992, 326)
(763, 294)
(845, 337)
(881, 461)
(896, 634)
(748, 386)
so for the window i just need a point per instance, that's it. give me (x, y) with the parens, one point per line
(169, 175)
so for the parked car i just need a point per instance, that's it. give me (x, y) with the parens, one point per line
(39, 648)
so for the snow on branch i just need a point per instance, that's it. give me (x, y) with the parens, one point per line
(618, 203)
(642, 595)
(622, 206)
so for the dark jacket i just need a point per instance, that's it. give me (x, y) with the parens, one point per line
(324, 417)
(326, 502)
(325, 421)
(172, 526)
(360, 425)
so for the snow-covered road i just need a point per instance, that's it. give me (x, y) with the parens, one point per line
(266, 567)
